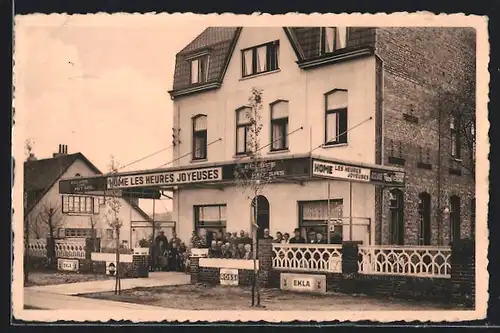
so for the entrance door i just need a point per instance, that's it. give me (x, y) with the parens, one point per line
(261, 210)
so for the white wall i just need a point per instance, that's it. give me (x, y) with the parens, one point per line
(283, 205)
(53, 199)
(303, 89)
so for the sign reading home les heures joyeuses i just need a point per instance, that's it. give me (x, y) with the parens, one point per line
(340, 171)
(229, 277)
(166, 178)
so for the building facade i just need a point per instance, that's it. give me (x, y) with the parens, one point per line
(75, 215)
(358, 107)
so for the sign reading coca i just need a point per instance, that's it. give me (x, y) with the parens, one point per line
(340, 171)
(166, 178)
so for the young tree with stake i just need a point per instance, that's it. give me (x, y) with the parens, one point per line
(113, 217)
(252, 175)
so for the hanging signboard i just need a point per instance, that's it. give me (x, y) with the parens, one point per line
(394, 178)
(340, 171)
(273, 169)
(83, 185)
(166, 178)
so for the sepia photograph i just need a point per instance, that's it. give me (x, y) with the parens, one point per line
(277, 168)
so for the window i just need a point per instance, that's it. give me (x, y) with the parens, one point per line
(455, 136)
(199, 70)
(396, 208)
(199, 137)
(336, 117)
(243, 123)
(78, 232)
(279, 125)
(424, 213)
(454, 218)
(109, 234)
(210, 217)
(78, 205)
(102, 201)
(333, 39)
(473, 218)
(260, 59)
(313, 217)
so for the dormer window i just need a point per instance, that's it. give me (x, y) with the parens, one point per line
(260, 59)
(199, 70)
(333, 39)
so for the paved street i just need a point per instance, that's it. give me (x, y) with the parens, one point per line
(156, 279)
(55, 297)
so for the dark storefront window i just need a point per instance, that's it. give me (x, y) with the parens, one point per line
(396, 207)
(424, 213)
(212, 218)
(313, 218)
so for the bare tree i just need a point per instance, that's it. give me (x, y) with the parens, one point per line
(50, 215)
(93, 232)
(28, 151)
(252, 174)
(113, 216)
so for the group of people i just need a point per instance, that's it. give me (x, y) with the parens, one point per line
(167, 254)
(313, 237)
(229, 245)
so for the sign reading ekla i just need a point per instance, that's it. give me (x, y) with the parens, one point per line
(166, 178)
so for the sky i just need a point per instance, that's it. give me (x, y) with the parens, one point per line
(99, 86)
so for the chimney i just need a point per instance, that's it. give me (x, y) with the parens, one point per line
(63, 150)
(31, 158)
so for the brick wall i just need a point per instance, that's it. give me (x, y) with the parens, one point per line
(425, 70)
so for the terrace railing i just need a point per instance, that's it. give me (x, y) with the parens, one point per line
(70, 248)
(421, 261)
(37, 248)
(308, 257)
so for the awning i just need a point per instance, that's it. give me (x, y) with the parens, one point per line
(292, 168)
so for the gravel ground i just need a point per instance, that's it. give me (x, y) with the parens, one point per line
(50, 278)
(204, 297)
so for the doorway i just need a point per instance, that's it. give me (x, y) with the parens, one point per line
(260, 208)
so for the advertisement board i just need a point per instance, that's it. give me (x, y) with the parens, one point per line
(340, 171)
(190, 176)
(229, 277)
(308, 283)
(68, 265)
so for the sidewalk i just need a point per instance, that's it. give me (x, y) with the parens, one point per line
(51, 301)
(156, 279)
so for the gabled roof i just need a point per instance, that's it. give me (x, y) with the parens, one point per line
(219, 44)
(41, 175)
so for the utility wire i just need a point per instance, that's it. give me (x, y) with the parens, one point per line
(340, 134)
(145, 157)
(189, 153)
